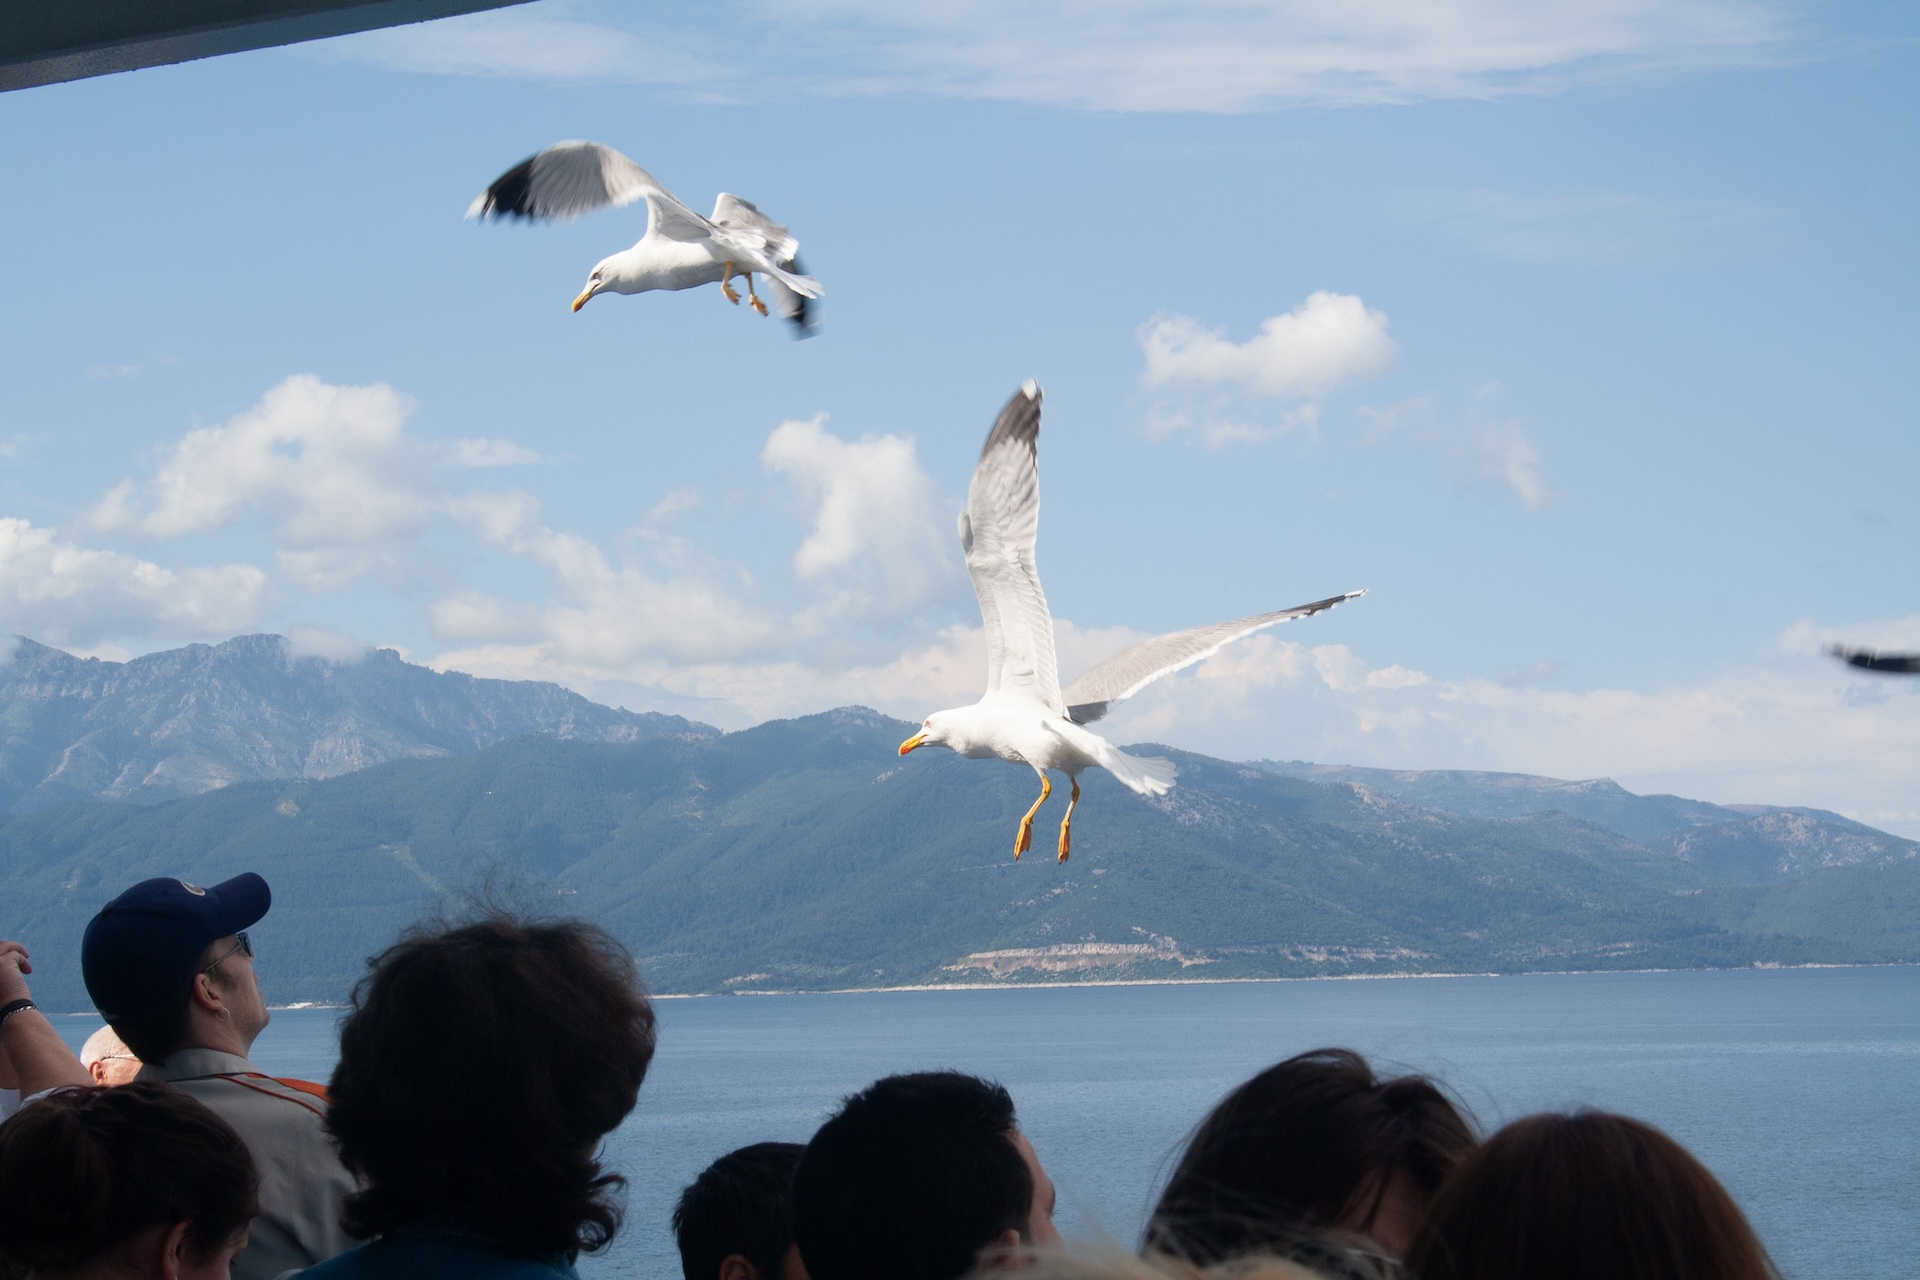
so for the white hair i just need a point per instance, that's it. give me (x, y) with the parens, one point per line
(101, 1045)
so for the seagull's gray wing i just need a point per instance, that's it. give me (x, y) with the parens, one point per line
(743, 219)
(1902, 664)
(1132, 670)
(571, 178)
(997, 531)
(563, 182)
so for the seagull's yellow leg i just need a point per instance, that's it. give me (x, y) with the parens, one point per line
(754, 298)
(726, 288)
(1024, 841)
(1066, 823)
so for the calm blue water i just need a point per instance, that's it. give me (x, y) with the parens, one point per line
(1800, 1088)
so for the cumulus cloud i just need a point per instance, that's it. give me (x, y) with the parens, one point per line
(1486, 450)
(1111, 55)
(1203, 384)
(1790, 730)
(872, 505)
(330, 470)
(660, 613)
(66, 594)
(1584, 228)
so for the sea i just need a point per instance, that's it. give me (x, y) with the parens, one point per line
(1799, 1088)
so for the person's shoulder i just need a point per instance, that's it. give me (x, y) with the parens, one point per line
(430, 1257)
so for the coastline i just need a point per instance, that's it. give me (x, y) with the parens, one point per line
(1143, 982)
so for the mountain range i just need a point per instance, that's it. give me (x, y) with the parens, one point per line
(186, 721)
(806, 854)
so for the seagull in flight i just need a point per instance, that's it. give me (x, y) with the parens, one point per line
(1025, 717)
(1899, 664)
(681, 249)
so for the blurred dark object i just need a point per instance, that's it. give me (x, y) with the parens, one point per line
(1900, 664)
(48, 41)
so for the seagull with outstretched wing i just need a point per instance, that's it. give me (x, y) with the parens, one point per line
(1896, 664)
(681, 249)
(1024, 717)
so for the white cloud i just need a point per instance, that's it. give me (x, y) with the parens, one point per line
(330, 470)
(65, 594)
(1108, 55)
(1248, 55)
(324, 643)
(1202, 384)
(663, 615)
(1329, 339)
(523, 45)
(1487, 451)
(872, 504)
(1585, 228)
(1787, 731)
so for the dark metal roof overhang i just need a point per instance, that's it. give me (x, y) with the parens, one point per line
(47, 41)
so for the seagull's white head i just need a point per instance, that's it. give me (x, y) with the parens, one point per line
(942, 729)
(598, 282)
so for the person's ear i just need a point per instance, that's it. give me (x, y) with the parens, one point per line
(206, 994)
(736, 1267)
(1005, 1253)
(172, 1252)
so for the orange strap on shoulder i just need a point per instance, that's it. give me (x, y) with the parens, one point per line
(304, 1086)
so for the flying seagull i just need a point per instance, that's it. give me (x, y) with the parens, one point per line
(1900, 664)
(1025, 718)
(681, 249)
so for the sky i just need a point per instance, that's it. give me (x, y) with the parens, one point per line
(1582, 336)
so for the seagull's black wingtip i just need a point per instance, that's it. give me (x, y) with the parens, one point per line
(1019, 421)
(511, 195)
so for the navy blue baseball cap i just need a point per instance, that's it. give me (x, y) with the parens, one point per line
(140, 951)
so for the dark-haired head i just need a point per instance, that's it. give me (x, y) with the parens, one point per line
(1588, 1196)
(139, 1175)
(913, 1177)
(1317, 1144)
(739, 1208)
(479, 1069)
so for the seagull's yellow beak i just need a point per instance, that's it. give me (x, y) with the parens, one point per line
(912, 742)
(581, 301)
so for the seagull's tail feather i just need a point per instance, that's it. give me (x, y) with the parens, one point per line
(805, 286)
(1143, 775)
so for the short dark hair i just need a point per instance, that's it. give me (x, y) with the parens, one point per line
(479, 1069)
(910, 1180)
(1306, 1143)
(1588, 1196)
(84, 1170)
(741, 1203)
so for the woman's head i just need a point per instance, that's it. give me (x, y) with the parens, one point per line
(1315, 1144)
(479, 1069)
(1588, 1196)
(139, 1176)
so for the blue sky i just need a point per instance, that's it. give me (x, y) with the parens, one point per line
(1584, 339)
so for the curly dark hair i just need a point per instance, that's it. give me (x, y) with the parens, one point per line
(479, 1069)
(84, 1170)
(1308, 1143)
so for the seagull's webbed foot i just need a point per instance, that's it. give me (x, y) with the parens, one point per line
(726, 288)
(753, 299)
(1024, 841)
(1066, 823)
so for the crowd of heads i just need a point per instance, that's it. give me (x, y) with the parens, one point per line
(482, 1065)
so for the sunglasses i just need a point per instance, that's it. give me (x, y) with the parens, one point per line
(241, 943)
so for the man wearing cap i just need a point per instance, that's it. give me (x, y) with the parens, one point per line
(170, 968)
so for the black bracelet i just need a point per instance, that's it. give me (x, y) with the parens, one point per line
(12, 1007)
